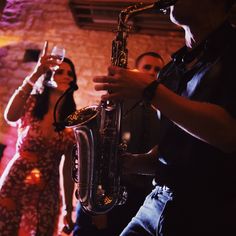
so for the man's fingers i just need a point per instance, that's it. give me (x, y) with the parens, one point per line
(112, 70)
(45, 48)
(101, 87)
(103, 79)
(111, 97)
(107, 86)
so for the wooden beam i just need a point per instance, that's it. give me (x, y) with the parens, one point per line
(102, 15)
(111, 1)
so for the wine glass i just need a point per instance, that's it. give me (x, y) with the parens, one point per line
(58, 53)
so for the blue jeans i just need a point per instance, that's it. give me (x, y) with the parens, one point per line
(148, 220)
(83, 223)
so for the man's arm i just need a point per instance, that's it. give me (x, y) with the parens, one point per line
(207, 122)
(144, 163)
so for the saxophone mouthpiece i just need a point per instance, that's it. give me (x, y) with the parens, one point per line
(164, 4)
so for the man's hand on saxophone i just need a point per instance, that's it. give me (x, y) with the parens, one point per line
(122, 83)
(143, 163)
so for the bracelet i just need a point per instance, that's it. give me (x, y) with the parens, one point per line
(28, 81)
(149, 91)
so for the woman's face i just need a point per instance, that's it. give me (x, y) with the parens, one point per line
(63, 77)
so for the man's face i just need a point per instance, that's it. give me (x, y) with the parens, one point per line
(187, 12)
(151, 65)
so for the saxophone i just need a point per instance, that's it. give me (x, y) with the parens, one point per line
(97, 129)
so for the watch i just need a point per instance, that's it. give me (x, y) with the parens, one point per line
(149, 91)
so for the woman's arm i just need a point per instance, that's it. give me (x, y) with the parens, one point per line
(68, 187)
(14, 109)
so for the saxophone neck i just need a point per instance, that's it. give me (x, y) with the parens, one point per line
(119, 49)
(130, 11)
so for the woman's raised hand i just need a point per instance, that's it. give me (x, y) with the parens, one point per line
(45, 61)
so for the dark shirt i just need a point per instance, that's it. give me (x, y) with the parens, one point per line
(201, 176)
(143, 125)
(185, 161)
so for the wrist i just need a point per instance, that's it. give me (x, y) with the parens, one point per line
(150, 91)
(31, 79)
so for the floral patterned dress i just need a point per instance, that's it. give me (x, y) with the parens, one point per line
(29, 186)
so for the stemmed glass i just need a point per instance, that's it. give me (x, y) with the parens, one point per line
(58, 53)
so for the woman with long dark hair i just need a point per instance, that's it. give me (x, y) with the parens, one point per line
(29, 186)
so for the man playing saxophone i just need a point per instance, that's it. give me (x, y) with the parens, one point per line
(196, 157)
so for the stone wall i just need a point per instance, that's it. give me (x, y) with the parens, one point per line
(26, 24)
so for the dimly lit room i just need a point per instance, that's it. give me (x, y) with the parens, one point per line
(80, 113)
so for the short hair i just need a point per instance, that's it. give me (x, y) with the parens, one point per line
(152, 54)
